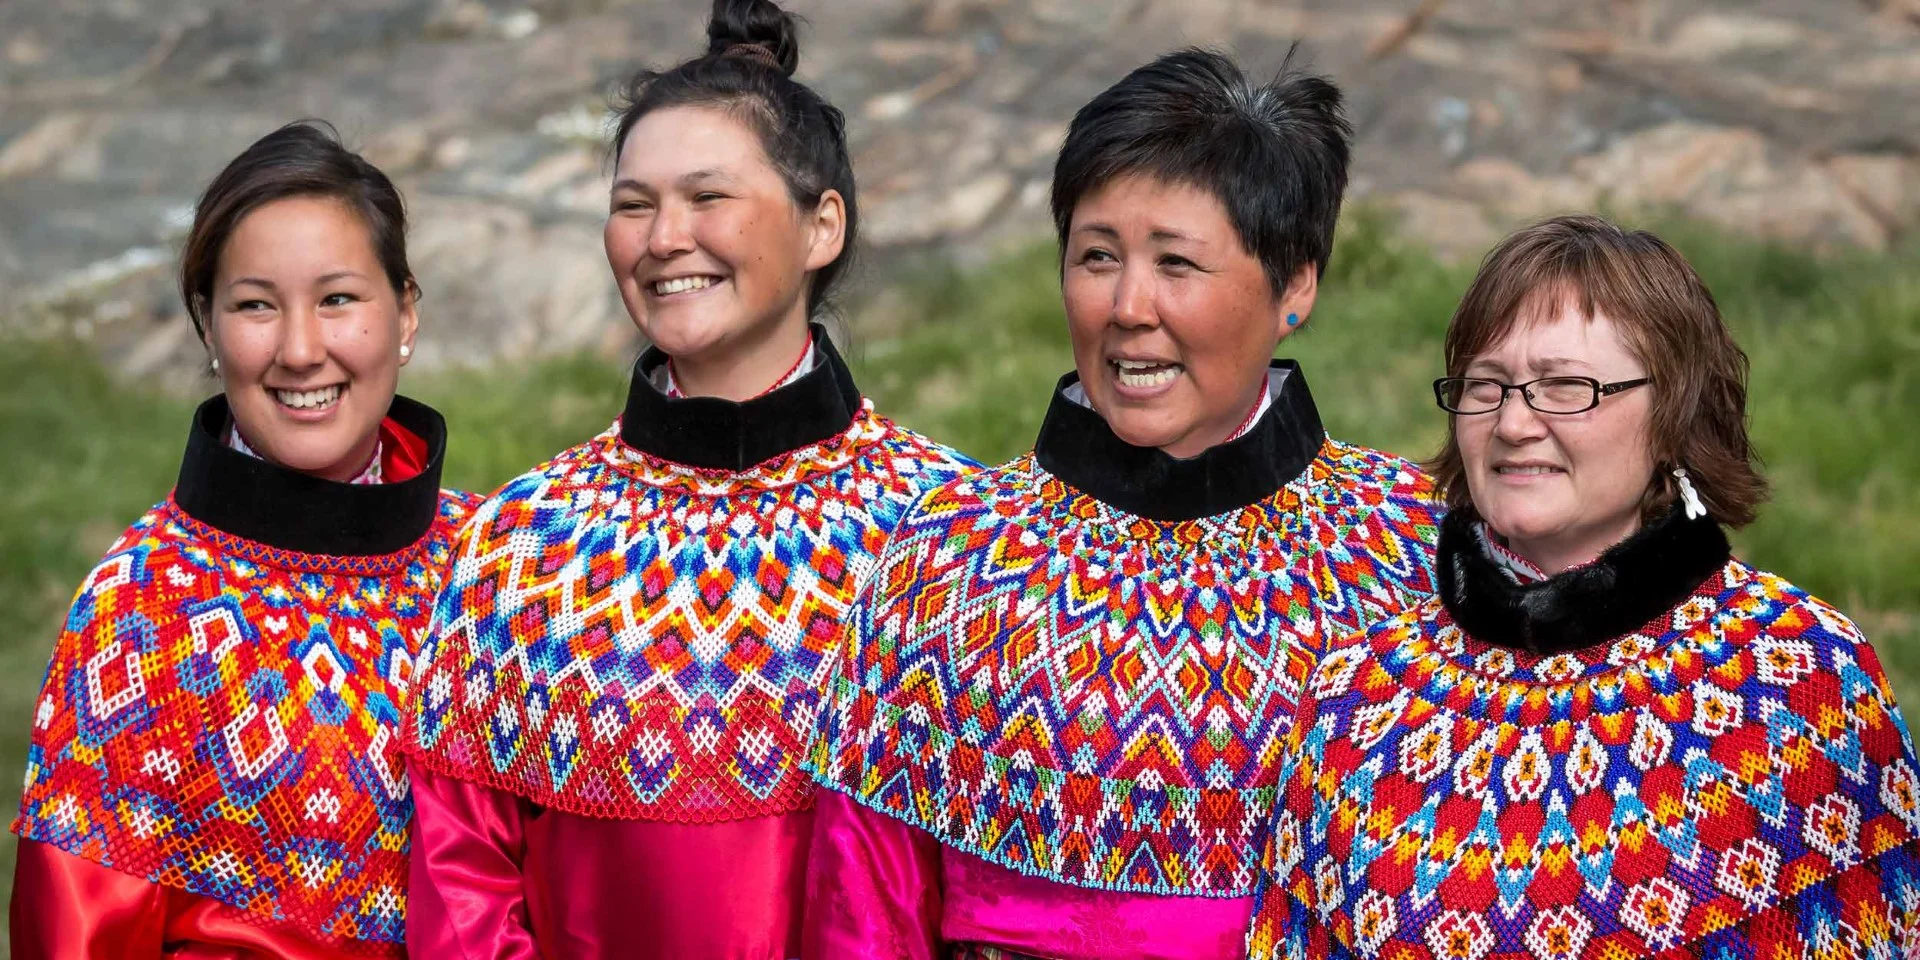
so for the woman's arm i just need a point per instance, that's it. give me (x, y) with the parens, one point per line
(68, 908)
(873, 886)
(466, 899)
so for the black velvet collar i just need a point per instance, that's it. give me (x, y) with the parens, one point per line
(1633, 582)
(721, 434)
(266, 503)
(1077, 446)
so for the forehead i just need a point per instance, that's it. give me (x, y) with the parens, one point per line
(1140, 202)
(296, 232)
(672, 142)
(1557, 328)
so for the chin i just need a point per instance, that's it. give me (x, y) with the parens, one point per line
(1526, 522)
(1146, 428)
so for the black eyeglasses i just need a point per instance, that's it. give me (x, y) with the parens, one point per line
(1471, 395)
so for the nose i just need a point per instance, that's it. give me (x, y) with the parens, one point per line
(302, 341)
(1516, 423)
(671, 232)
(1133, 299)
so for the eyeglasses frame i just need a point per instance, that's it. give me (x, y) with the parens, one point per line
(1600, 392)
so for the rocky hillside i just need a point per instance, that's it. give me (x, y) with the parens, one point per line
(1798, 119)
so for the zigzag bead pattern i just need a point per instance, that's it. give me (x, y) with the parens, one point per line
(631, 638)
(1088, 696)
(1731, 781)
(222, 717)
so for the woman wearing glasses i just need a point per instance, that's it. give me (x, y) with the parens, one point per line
(1604, 737)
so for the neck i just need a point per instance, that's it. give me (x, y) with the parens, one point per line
(1215, 432)
(350, 468)
(1556, 554)
(742, 373)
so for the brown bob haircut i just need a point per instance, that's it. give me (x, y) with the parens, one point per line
(1670, 322)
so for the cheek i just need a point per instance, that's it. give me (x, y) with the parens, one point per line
(1088, 302)
(367, 343)
(625, 243)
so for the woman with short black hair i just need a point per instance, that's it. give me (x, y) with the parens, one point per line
(626, 664)
(1054, 731)
(1605, 736)
(215, 768)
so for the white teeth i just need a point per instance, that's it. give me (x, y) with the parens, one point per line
(682, 285)
(308, 399)
(1142, 374)
(1527, 471)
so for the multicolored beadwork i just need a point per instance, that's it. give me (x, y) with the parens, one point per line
(632, 638)
(1084, 695)
(1732, 780)
(222, 717)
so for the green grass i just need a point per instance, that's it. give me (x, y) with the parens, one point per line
(970, 358)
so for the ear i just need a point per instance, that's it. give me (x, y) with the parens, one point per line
(1291, 309)
(826, 230)
(409, 320)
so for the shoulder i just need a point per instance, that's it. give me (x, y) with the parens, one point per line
(914, 452)
(1373, 477)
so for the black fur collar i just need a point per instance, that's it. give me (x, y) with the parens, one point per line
(1077, 446)
(1633, 582)
(257, 500)
(721, 434)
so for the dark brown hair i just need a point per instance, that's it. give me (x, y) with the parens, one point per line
(753, 49)
(301, 159)
(1670, 322)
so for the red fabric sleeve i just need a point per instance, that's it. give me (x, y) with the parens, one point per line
(467, 897)
(68, 908)
(873, 886)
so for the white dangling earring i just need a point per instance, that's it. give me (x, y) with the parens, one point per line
(1695, 509)
(215, 361)
(406, 350)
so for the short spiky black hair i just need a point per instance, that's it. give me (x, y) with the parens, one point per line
(1275, 154)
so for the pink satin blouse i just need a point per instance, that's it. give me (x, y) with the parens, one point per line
(495, 877)
(879, 889)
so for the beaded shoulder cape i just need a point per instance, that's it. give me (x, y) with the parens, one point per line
(630, 637)
(1729, 779)
(1041, 679)
(221, 716)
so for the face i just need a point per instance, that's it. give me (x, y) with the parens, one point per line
(710, 253)
(307, 330)
(1561, 487)
(1173, 320)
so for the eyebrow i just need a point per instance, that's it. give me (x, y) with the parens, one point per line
(256, 281)
(342, 275)
(697, 176)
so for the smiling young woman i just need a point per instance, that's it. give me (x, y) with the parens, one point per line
(623, 672)
(215, 769)
(1053, 730)
(1605, 737)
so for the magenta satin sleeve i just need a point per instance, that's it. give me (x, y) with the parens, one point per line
(466, 899)
(873, 886)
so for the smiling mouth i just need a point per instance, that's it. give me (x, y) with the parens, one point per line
(1144, 374)
(667, 288)
(319, 399)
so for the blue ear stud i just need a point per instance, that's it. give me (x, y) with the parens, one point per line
(1293, 319)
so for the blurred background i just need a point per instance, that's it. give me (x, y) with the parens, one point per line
(1776, 142)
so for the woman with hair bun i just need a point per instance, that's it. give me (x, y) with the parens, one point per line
(1605, 736)
(1055, 729)
(623, 671)
(215, 770)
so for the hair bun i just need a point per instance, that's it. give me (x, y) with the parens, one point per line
(755, 30)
